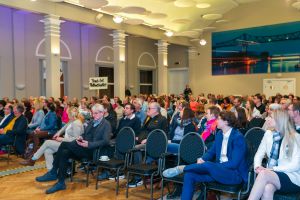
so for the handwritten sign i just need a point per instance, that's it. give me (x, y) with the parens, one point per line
(98, 83)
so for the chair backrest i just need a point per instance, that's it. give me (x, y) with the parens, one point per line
(125, 140)
(253, 138)
(191, 148)
(156, 145)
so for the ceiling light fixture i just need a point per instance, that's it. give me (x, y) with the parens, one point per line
(203, 5)
(202, 42)
(32, 0)
(169, 33)
(117, 19)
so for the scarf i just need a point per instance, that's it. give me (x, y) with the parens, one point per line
(274, 155)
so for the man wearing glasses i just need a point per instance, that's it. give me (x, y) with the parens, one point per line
(95, 136)
(8, 115)
(154, 120)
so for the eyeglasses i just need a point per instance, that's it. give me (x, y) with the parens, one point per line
(151, 108)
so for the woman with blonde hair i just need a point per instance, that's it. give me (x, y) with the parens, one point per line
(250, 107)
(37, 116)
(72, 130)
(281, 145)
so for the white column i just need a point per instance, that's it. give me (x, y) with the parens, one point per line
(193, 63)
(162, 71)
(119, 62)
(52, 51)
(19, 54)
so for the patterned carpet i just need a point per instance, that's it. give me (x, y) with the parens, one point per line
(22, 169)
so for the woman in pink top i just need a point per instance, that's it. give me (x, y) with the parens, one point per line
(208, 124)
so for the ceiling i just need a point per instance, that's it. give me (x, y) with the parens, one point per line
(189, 18)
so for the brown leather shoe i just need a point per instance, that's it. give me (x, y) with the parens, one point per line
(28, 162)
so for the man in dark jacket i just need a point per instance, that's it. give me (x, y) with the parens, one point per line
(18, 134)
(8, 115)
(154, 120)
(96, 135)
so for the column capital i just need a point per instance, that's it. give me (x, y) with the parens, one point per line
(118, 38)
(162, 46)
(52, 25)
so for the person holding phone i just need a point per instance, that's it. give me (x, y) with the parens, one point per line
(96, 135)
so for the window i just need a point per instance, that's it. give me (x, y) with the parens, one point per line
(146, 82)
(107, 72)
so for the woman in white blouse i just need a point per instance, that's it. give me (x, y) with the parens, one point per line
(282, 147)
(72, 130)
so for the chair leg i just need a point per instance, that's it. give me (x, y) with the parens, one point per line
(204, 192)
(97, 174)
(72, 170)
(127, 184)
(162, 188)
(117, 179)
(87, 176)
(151, 186)
(8, 154)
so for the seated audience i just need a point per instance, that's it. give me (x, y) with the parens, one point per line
(28, 114)
(111, 116)
(37, 118)
(225, 162)
(2, 105)
(184, 125)
(208, 125)
(242, 122)
(130, 119)
(250, 108)
(259, 107)
(8, 115)
(95, 136)
(294, 113)
(17, 134)
(118, 108)
(281, 146)
(47, 128)
(138, 110)
(153, 121)
(71, 131)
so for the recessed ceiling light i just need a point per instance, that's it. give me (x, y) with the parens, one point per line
(202, 42)
(117, 19)
(32, 0)
(203, 5)
(169, 33)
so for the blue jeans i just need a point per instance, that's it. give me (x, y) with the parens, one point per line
(173, 148)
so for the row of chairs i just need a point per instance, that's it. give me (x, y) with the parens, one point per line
(191, 148)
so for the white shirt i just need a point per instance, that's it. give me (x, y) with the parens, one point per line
(6, 116)
(223, 157)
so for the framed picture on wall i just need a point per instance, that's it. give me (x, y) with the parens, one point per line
(266, 49)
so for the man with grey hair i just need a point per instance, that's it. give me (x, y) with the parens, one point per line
(154, 120)
(95, 136)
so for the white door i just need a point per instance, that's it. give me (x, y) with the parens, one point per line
(178, 78)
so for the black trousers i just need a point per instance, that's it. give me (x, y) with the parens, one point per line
(66, 151)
